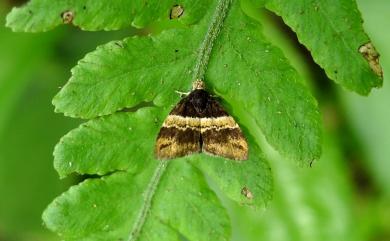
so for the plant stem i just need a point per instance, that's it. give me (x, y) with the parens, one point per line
(148, 196)
(208, 42)
(199, 72)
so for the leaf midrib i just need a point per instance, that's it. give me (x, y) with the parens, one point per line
(204, 53)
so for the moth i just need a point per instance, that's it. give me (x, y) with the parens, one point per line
(198, 123)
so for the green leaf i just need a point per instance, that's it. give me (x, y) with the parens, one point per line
(106, 208)
(175, 57)
(121, 74)
(333, 33)
(89, 149)
(43, 15)
(96, 88)
(317, 203)
(254, 175)
(258, 82)
(126, 188)
(107, 144)
(128, 87)
(143, 71)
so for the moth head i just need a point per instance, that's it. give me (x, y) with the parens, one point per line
(198, 85)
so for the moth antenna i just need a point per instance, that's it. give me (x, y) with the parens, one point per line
(182, 94)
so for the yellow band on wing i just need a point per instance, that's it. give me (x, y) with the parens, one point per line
(203, 124)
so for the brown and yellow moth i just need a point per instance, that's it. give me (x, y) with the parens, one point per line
(198, 123)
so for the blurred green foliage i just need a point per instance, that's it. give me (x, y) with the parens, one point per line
(28, 128)
(32, 68)
(344, 196)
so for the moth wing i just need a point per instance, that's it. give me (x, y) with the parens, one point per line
(228, 143)
(222, 136)
(173, 142)
(180, 134)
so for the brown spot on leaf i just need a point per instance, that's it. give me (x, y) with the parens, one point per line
(372, 56)
(176, 12)
(67, 17)
(247, 193)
